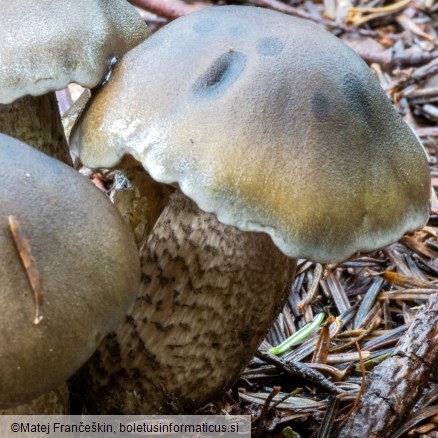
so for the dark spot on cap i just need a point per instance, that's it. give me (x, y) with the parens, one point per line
(204, 26)
(269, 46)
(356, 94)
(320, 105)
(220, 75)
(236, 31)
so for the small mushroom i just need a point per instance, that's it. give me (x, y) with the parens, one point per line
(69, 270)
(46, 46)
(286, 146)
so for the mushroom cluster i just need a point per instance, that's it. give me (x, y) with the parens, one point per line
(49, 45)
(281, 144)
(69, 270)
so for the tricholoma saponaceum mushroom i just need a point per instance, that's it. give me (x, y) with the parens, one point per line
(282, 145)
(49, 44)
(69, 270)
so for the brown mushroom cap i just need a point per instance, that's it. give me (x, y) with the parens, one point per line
(269, 122)
(47, 45)
(87, 263)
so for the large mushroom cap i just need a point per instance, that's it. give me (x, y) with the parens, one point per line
(48, 44)
(86, 261)
(269, 122)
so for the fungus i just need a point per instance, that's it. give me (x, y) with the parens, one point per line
(281, 143)
(68, 251)
(46, 46)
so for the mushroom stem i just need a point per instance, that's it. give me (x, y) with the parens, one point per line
(36, 120)
(139, 198)
(209, 294)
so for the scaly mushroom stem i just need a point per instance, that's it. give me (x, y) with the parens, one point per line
(35, 120)
(209, 294)
(139, 198)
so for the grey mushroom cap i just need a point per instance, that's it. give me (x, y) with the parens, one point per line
(270, 123)
(86, 261)
(49, 44)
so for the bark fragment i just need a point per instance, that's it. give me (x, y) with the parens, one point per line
(394, 386)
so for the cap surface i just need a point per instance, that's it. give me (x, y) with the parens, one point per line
(47, 45)
(269, 122)
(86, 260)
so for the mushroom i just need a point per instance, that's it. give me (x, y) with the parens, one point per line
(281, 144)
(48, 45)
(69, 270)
